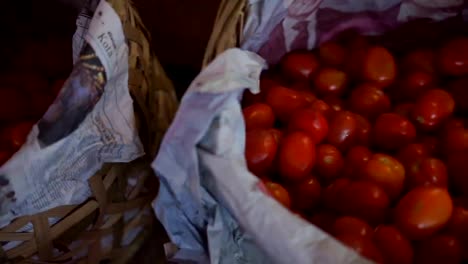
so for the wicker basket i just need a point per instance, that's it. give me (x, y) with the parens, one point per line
(101, 215)
(227, 30)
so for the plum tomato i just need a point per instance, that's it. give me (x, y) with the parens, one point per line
(248, 97)
(362, 245)
(355, 161)
(394, 246)
(419, 60)
(365, 200)
(460, 94)
(412, 153)
(439, 249)
(387, 172)
(258, 116)
(453, 57)
(404, 109)
(306, 193)
(342, 130)
(364, 130)
(369, 101)
(279, 193)
(330, 81)
(427, 172)
(331, 196)
(260, 150)
(392, 131)
(329, 162)
(379, 66)
(413, 84)
(423, 211)
(310, 121)
(457, 166)
(336, 104)
(296, 156)
(322, 107)
(352, 225)
(430, 143)
(285, 101)
(455, 140)
(299, 65)
(458, 224)
(432, 108)
(332, 54)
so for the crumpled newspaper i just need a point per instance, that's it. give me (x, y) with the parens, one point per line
(90, 123)
(215, 210)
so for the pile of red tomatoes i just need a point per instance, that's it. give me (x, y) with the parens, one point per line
(370, 146)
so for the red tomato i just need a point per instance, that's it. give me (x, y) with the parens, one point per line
(299, 65)
(329, 162)
(387, 172)
(421, 59)
(352, 226)
(365, 200)
(332, 54)
(363, 246)
(13, 104)
(404, 109)
(369, 101)
(432, 108)
(356, 160)
(395, 248)
(335, 103)
(379, 66)
(455, 140)
(412, 153)
(285, 101)
(453, 57)
(392, 131)
(330, 81)
(364, 131)
(332, 194)
(279, 193)
(413, 85)
(248, 97)
(457, 165)
(427, 172)
(310, 121)
(296, 156)
(260, 150)
(423, 211)
(15, 135)
(342, 130)
(439, 249)
(258, 116)
(322, 107)
(431, 144)
(458, 224)
(323, 220)
(306, 194)
(308, 97)
(460, 94)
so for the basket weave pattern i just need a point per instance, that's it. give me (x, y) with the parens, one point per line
(155, 104)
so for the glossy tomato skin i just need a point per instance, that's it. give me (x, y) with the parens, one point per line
(412, 153)
(330, 162)
(279, 193)
(413, 85)
(258, 116)
(352, 225)
(453, 57)
(432, 108)
(365, 200)
(364, 131)
(387, 172)
(306, 194)
(369, 101)
(379, 66)
(439, 249)
(299, 65)
(427, 172)
(260, 150)
(285, 101)
(423, 211)
(332, 54)
(364, 246)
(394, 246)
(330, 81)
(322, 107)
(336, 103)
(297, 156)
(392, 131)
(342, 130)
(355, 161)
(311, 122)
(457, 166)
